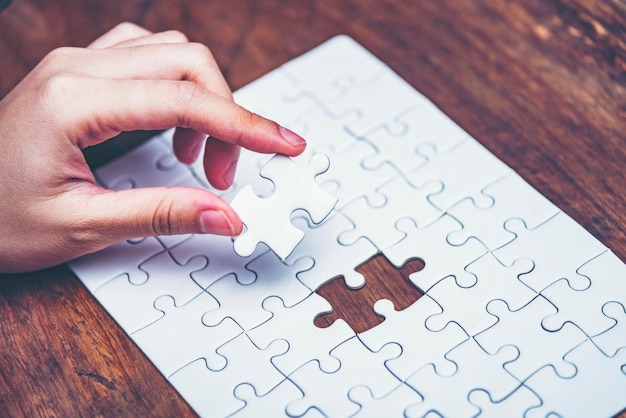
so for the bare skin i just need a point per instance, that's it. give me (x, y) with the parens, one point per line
(52, 210)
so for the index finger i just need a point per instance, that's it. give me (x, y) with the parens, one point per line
(126, 105)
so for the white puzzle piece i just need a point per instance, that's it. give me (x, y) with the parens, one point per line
(268, 220)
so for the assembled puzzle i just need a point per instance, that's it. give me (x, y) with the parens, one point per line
(522, 311)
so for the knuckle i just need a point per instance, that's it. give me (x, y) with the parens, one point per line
(84, 233)
(187, 92)
(246, 122)
(163, 219)
(58, 89)
(126, 26)
(202, 53)
(177, 36)
(56, 59)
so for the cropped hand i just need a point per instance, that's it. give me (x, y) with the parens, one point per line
(51, 208)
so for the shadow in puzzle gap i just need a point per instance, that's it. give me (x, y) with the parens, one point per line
(382, 281)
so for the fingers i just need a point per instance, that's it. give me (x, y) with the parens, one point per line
(187, 144)
(167, 37)
(91, 218)
(186, 61)
(220, 162)
(122, 32)
(145, 58)
(126, 105)
(158, 211)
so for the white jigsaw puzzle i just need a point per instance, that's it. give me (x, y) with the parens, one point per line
(523, 312)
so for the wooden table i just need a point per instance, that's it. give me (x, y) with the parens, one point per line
(541, 83)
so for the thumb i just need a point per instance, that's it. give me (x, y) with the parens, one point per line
(125, 214)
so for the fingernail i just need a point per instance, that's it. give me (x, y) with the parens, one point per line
(229, 174)
(216, 222)
(291, 137)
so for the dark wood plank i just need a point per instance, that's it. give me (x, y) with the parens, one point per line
(541, 83)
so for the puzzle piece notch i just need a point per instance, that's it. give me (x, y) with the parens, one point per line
(132, 304)
(557, 247)
(467, 306)
(244, 302)
(402, 201)
(329, 391)
(614, 338)
(392, 404)
(306, 341)
(514, 405)
(98, 268)
(513, 198)
(179, 336)
(222, 259)
(476, 369)
(459, 185)
(607, 283)
(268, 220)
(330, 70)
(341, 181)
(426, 125)
(537, 347)
(441, 258)
(193, 381)
(271, 404)
(245, 362)
(367, 115)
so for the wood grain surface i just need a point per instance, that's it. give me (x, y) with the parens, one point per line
(540, 83)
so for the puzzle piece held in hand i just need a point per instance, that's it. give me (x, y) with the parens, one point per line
(268, 220)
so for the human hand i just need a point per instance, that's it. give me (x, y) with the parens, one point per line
(51, 208)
